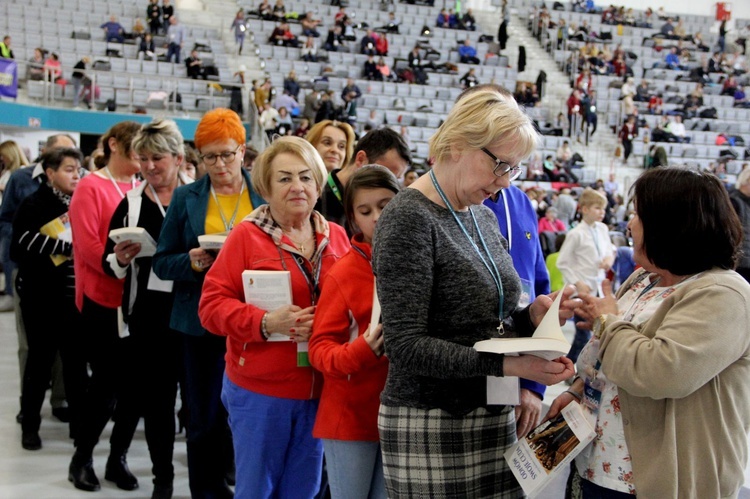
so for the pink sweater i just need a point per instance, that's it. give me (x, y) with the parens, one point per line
(91, 209)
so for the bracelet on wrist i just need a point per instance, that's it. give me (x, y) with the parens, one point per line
(576, 395)
(264, 326)
(599, 324)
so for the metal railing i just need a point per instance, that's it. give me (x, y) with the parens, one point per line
(216, 91)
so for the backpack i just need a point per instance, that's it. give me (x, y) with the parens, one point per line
(111, 105)
(708, 113)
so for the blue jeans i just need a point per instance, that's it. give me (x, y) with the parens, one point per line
(580, 339)
(274, 451)
(174, 49)
(355, 469)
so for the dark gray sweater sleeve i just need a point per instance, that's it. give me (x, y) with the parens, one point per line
(437, 298)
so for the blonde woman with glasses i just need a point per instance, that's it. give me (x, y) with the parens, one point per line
(441, 433)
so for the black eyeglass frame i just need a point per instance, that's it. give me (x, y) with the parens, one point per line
(516, 170)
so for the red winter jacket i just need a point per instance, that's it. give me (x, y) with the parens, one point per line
(268, 368)
(353, 375)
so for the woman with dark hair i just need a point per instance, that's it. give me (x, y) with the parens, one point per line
(348, 350)
(98, 296)
(667, 368)
(45, 279)
(212, 205)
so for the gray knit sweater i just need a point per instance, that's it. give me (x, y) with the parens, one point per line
(438, 299)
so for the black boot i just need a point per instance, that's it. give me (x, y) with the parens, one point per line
(31, 441)
(162, 492)
(117, 471)
(81, 473)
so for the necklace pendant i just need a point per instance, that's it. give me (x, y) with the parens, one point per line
(501, 329)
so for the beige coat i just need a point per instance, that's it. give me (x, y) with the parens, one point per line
(684, 386)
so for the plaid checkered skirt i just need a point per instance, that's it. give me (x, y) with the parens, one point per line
(432, 454)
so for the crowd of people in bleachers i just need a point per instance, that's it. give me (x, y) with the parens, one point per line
(598, 47)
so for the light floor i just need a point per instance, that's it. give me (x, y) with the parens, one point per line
(43, 474)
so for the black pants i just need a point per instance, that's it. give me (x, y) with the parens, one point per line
(627, 146)
(102, 344)
(150, 391)
(54, 330)
(209, 440)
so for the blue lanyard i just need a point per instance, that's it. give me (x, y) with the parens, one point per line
(491, 267)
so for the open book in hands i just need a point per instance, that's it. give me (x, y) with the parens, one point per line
(135, 235)
(548, 341)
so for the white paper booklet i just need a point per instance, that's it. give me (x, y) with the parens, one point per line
(375, 314)
(538, 457)
(268, 290)
(548, 341)
(212, 242)
(135, 235)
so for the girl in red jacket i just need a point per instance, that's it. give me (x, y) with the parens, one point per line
(348, 350)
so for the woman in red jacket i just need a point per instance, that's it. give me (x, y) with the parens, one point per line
(271, 394)
(348, 350)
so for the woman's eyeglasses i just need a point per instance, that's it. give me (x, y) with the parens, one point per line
(226, 157)
(503, 167)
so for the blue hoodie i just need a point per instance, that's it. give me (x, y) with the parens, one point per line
(524, 246)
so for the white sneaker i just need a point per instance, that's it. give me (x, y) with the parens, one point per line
(6, 303)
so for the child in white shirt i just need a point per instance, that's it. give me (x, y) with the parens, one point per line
(586, 255)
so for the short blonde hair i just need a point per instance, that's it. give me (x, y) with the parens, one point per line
(590, 197)
(261, 173)
(481, 118)
(160, 136)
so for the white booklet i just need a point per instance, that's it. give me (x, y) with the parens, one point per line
(212, 242)
(537, 458)
(375, 314)
(135, 235)
(268, 290)
(548, 341)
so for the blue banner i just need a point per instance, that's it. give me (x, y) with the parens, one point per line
(8, 78)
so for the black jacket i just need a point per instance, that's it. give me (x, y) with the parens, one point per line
(38, 277)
